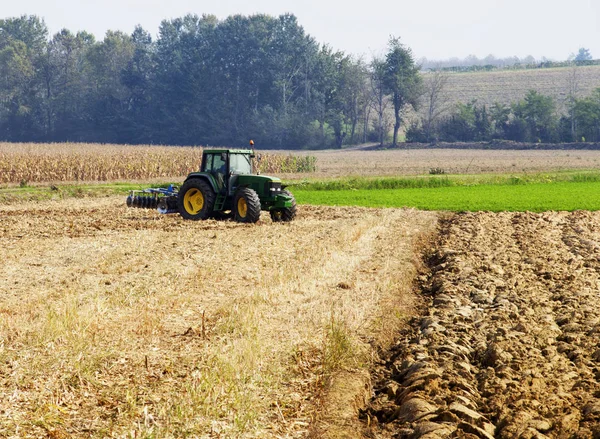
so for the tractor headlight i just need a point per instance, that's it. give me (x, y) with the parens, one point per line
(275, 187)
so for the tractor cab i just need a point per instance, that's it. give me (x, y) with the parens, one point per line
(226, 165)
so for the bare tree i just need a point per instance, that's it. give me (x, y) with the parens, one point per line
(436, 100)
(379, 98)
(573, 88)
(367, 105)
(355, 95)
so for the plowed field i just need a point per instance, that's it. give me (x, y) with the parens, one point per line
(508, 345)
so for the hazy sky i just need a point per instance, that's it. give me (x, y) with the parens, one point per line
(435, 29)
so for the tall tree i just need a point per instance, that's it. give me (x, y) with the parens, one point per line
(435, 100)
(587, 113)
(22, 46)
(538, 112)
(138, 76)
(110, 96)
(354, 93)
(187, 106)
(332, 67)
(379, 99)
(402, 80)
(67, 86)
(583, 55)
(500, 118)
(573, 86)
(292, 56)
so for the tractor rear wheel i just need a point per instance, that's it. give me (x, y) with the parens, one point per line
(287, 213)
(246, 206)
(195, 200)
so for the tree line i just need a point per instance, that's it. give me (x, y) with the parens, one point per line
(205, 81)
(472, 63)
(534, 119)
(202, 81)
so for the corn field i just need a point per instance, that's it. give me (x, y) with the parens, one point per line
(25, 163)
(278, 163)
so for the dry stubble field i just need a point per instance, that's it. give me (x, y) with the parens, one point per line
(398, 162)
(119, 322)
(509, 86)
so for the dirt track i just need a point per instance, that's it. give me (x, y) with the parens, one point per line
(508, 345)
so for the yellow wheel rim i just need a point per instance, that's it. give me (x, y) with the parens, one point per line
(193, 201)
(242, 208)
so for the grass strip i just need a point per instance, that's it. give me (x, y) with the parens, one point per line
(533, 197)
(351, 183)
(40, 192)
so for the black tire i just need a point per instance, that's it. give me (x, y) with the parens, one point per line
(195, 200)
(246, 206)
(286, 214)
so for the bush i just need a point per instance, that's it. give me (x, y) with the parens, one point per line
(415, 133)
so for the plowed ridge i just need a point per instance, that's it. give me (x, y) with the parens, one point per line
(509, 345)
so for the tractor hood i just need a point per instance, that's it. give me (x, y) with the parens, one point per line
(253, 178)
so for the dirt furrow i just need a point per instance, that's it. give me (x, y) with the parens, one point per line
(508, 344)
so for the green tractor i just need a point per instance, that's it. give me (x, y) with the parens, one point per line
(225, 186)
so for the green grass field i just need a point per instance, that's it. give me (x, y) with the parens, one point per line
(495, 192)
(534, 197)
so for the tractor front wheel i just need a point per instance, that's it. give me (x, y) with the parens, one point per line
(246, 206)
(195, 200)
(287, 213)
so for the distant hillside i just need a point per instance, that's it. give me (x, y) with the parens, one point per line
(508, 86)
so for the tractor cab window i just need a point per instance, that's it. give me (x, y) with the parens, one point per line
(216, 164)
(240, 164)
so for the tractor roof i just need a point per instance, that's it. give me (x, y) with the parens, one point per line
(230, 151)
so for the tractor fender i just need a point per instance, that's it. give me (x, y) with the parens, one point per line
(209, 178)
